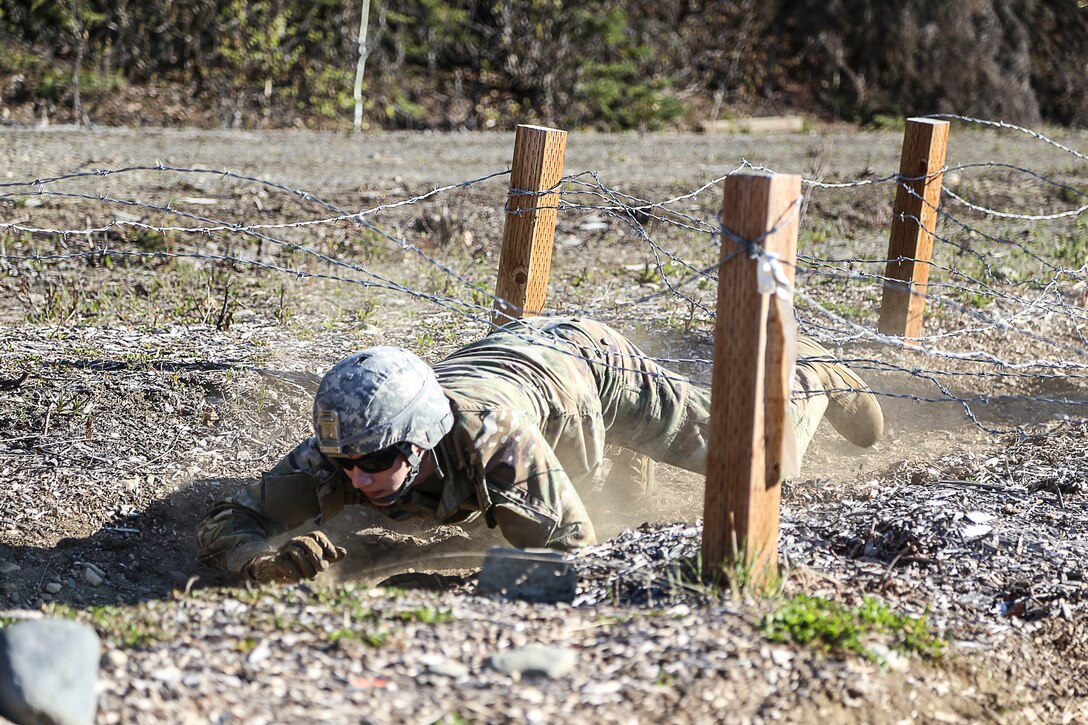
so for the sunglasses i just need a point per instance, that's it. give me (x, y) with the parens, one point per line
(375, 462)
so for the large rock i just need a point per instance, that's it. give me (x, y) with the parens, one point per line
(48, 671)
(531, 575)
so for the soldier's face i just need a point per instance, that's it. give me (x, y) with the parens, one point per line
(379, 484)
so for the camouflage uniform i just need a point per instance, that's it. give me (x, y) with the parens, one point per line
(533, 404)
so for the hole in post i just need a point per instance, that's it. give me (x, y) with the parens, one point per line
(521, 277)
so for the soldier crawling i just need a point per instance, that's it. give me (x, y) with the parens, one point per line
(509, 426)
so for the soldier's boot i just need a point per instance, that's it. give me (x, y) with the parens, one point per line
(631, 472)
(852, 409)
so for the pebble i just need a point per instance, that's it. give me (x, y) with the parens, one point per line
(447, 668)
(168, 674)
(535, 661)
(889, 658)
(91, 577)
(9, 567)
(52, 587)
(259, 653)
(117, 659)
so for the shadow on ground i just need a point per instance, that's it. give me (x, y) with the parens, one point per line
(152, 554)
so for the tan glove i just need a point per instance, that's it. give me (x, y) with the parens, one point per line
(303, 557)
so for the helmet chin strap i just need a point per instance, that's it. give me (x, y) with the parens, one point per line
(414, 460)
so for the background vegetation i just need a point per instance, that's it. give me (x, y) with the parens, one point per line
(609, 64)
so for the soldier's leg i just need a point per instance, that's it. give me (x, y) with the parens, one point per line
(657, 412)
(852, 409)
(646, 407)
(631, 473)
(807, 407)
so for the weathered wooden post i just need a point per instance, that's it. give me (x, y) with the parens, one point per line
(914, 218)
(529, 234)
(751, 379)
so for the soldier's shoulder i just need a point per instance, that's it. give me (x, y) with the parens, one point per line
(306, 458)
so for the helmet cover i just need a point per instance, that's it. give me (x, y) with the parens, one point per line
(378, 397)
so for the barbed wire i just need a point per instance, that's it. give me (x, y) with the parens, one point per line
(1010, 126)
(971, 309)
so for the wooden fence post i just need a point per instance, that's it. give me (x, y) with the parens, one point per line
(529, 234)
(750, 381)
(910, 250)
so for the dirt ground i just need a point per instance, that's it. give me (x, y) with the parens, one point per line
(146, 371)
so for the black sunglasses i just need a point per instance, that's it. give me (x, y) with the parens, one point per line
(373, 462)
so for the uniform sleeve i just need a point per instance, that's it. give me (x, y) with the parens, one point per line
(530, 497)
(299, 488)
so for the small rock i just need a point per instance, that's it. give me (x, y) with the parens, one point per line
(781, 656)
(531, 575)
(534, 661)
(91, 577)
(889, 657)
(48, 672)
(9, 567)
(594, 224)
(447, 668)
(8, 588)
(117, 659)
(168, 674)
(259, 653)
(53, 587)
(976, 531)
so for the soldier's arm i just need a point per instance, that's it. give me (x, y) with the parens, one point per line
(297, 489)
(528, 494)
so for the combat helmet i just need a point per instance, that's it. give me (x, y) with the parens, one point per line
(376, 398)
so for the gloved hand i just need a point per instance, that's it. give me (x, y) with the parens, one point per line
(303, 557)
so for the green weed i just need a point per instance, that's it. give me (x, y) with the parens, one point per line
(654, 273)
(584, 277)
(833, 626)
(150, 240)
(247, 645)
(482, 295)
(886, 122)
(120, 625)
(341, 635)
(1072, 248)
(374, 639)
(425, 615)
(978, 300)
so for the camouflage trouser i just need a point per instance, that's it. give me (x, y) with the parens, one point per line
(651, 410)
